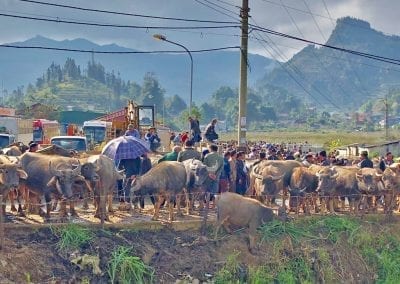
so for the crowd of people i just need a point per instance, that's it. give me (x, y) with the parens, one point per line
(232, 171)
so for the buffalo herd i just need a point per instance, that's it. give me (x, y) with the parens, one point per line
(58, 180)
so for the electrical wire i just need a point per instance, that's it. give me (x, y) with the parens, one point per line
(58, 20)
(125, 14)
(214, 9)
(363, 54)
(116, 52)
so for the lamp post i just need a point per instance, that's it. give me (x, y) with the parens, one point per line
(164, 38)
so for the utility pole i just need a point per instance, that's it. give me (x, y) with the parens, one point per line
(242, 119)
(385, 102)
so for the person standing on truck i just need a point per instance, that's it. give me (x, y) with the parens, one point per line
(132, 131)
(210, 133)
(195, 129)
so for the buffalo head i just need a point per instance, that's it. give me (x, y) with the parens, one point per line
(64, 175)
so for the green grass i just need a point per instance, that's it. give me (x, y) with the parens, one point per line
(72, 236)
(229, 273)
(125, 268)
(320, 137)
(303, 251)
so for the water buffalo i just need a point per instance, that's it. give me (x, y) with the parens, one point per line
(273, 176)
(235, 209)
(52, 175)
(267, 182)
(391, 182)
(197, 176)
(302, 189)
(371, 186)
(10, 175)
(339, 182)
(104, 187)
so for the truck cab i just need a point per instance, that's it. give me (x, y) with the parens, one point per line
(76, 143)
(6, 139)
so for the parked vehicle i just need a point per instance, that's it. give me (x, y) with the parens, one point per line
(76, 143)
(44, 130)
(15, 129)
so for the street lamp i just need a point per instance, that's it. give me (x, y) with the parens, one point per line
(164, 38)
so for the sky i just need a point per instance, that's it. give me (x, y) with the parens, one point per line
(310, 19)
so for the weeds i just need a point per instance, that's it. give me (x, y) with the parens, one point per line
(72, 236)
(260, 275)
(125, 268)
(230, 272)
(382, 252)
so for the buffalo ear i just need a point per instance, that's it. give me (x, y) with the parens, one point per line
(52, 182)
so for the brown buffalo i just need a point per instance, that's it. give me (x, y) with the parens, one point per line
(10, 175)
(237, 210)
(339, 182)
(302, 190)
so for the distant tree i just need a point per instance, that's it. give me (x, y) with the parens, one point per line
(175, 105)
(208, 112)
(70, 70)
(152, 93)
(96, 71)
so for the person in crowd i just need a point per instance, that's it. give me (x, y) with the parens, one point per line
(290, 156)
(224, 180)
(33, 147)
(323, 160)
(171, 156)
(195, 129)
(145, 166)
(253, 154)
(177, 139)
(365, 161)
(232, 164)
(263, 156)
(308, 160)
(241, 176)
(189, 152)
(272, 154)
(132, 169)
(213, 159)
(171, 139)
(210, 133)
(184, 137)
(386, 161)
(131, 131)
(153, 139)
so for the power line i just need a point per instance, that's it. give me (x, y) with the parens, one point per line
(115, 52)
(58, 20)
(125, 14)
(214, 9)
(355, 73)
(363, 54)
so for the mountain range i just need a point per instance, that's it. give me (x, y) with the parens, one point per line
(341, 80)
(321, 76)
(211, 70)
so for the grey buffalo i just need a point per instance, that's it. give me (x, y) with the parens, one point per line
(104, 187)
(166, 181)
(52, 176)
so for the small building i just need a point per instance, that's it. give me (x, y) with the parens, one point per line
(354, 150)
